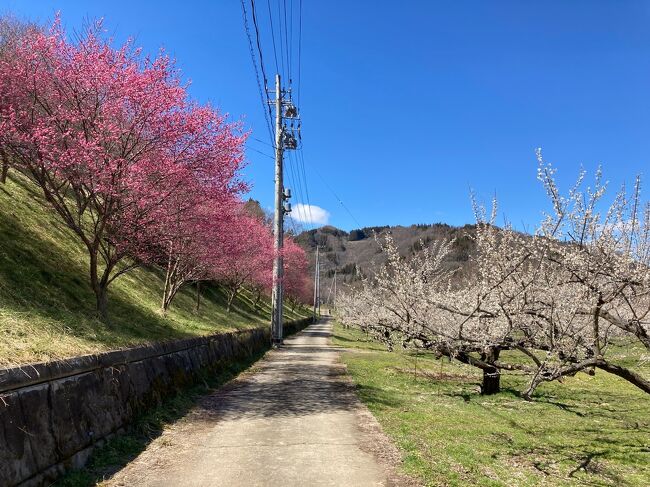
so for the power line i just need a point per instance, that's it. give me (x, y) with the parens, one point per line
(259, 50)
(337, 197)
(301, 157)
(298, 185)
(259, 47)
(287, 41)
(295, 164)
(291, 16)
(299, 49)
(285, 139)
(282, 43)
(260, 152)
(275, 52)
(262, 141)
(263, 97)
(304, 177)
(292, 222)
(285, 31)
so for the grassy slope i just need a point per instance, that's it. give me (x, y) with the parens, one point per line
(47, 307)
(453, 436)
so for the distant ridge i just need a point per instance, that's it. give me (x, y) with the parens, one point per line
(347, 253)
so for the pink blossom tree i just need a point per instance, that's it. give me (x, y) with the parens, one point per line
(297, 284)
(111, 138)
(249, 260)
(11, 31)
(196, 244)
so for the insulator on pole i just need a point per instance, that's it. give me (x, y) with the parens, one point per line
(291, 111)
(289, 141)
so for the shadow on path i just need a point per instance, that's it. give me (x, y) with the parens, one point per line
(294, 420)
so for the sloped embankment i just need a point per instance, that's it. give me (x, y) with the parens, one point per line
(47, 307)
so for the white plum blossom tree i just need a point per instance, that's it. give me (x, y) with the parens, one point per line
(561, 297)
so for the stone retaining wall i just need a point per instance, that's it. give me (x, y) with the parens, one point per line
(53, 414)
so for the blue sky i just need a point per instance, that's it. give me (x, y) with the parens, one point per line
(408, 105)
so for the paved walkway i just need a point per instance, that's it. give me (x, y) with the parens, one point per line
(295, 421)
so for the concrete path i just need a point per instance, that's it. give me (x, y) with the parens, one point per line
(294, 421)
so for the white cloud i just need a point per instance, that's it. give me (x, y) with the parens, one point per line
(310, 214)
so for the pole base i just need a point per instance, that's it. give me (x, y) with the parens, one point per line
(276, 342)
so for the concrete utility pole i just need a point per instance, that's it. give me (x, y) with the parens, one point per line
(284, 139)
(330, 303)
(329, 295)
(317, 284)
(278, 223)
(334, 302)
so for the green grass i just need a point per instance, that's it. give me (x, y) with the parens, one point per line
(47, 307)
(452, 436)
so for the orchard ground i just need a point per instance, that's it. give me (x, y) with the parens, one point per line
(47, 306)
(586, 430)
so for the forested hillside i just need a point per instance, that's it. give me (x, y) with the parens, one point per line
(346, 253)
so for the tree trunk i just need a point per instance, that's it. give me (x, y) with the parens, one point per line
(165, 301)
(99, 285)
(587, 366)
(491, 375)
(491, 381)
(534, 383)
(198, 296)
(100, 298)
(102, 303)
(167, 289)
(5, 166)
(167, 296)
(627, 374)
(231, 298)
(170, 294)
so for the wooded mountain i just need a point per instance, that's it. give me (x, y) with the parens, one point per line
(346, 253)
